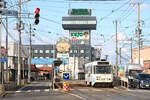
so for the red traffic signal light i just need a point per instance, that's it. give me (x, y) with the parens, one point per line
(37, 10)
(37, 15)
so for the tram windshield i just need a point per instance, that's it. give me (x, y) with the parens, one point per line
(102, 69)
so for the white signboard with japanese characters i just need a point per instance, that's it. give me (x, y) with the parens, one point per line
(79, 34)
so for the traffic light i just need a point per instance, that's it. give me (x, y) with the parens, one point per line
(37, 15)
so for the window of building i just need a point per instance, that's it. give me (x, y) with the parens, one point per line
(70, 51)
(26, 61)
(87, 51)
(82, 51)
(52, 51)
(75, 51)
(35, 51)
(41, 51)
(87, 57)
(46, 51)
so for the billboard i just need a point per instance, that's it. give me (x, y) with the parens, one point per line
(46, 60)
(63, 45)
(79, 11)
(62, 55)
(79, 34)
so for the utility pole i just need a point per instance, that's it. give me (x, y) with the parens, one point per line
(131, 51)
(53, 82)
(23, 67)
(1, 69)
(139, 31)
(19, 45)
(0, 51)
(116, 31)
(7, 49)
(74, 74)
(30, 53)
(120, 55)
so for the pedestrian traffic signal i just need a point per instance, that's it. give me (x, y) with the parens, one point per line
(37, 15)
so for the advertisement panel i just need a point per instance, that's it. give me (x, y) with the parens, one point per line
(63, 45)
(79, 34)
(62, 55)
(79, 12)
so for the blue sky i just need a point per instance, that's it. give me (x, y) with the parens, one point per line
(51, 12)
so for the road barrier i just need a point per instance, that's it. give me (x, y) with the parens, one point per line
(66, 86)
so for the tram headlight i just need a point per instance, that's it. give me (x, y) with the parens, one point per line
(108, 78)
(98, 77)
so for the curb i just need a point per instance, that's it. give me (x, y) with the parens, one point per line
(3, 95)
(121, 87)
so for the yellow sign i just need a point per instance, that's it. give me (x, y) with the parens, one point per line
(63, 45)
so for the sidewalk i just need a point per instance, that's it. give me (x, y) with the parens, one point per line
(9, 87)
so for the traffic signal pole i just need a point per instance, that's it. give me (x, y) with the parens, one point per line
(1, 71)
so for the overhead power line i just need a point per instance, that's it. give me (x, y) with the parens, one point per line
(50, 20)
(113, 11)
(10, 34)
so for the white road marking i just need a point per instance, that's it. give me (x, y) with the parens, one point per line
(28, 91)
(97, 90)
(18, 91)
(46, 90)
(138, 90)
(36, 90)
(77, 96)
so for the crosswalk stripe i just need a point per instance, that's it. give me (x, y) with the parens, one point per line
(38, 90)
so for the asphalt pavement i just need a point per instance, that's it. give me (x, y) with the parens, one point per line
(40, 90)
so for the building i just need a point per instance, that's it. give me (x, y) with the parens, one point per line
(77, 54)
(144, 57)
(79, 23)
(144, 54)
(44, 51)
(13, 62)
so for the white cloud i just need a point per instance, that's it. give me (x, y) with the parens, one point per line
(144, 6)
(124, 50)
(121, 36)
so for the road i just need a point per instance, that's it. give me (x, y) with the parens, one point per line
(40, 91)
